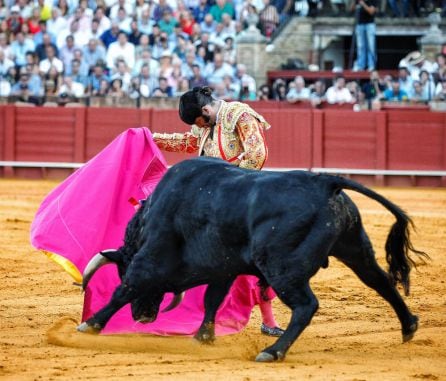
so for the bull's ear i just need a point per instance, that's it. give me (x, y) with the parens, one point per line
(113, 255)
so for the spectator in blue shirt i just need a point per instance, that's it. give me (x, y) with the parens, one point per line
(395, 93)
(110, 35)
(96, 77)
(19, 47)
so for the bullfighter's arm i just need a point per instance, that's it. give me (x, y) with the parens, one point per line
(251, 136)
(177, 142)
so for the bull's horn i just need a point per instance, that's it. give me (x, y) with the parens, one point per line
(95, 264)
(175, 302)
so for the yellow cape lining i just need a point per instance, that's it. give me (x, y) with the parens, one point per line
(66, 265)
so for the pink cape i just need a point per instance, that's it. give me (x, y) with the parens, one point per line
(89, 211)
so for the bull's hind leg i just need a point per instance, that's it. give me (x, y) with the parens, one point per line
(357, 253)
(97, 322)
(214, 296)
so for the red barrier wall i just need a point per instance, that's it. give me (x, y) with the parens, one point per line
(299, 138)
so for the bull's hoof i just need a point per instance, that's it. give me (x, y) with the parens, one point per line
(268, 357)
(86, 328)
(146, 319)
(409, 333)
(205, 337)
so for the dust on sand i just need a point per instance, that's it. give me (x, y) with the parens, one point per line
(354, 335)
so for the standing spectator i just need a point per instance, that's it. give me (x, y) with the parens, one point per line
(396, 93)
(417, 62)
(365, 31)
(297, 90)
(51, 61)
(14, 21)
(19, 47)
(121, 49)
(284, 8)
(396, 10)
(338, 93)
(269, 18)
(93, 52)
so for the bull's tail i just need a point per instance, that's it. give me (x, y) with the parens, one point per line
(398, 243)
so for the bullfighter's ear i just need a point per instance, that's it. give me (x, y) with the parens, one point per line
(113, 255)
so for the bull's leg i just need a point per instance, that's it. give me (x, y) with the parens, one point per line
(358, 254)
(303, 304)
(121, 296)
(214, 296)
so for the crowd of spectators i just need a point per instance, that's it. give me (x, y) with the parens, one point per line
(157, 48)
(418, 80)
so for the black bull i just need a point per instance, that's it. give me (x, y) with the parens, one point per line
(208, 222)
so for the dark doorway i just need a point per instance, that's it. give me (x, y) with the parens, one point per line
(391, 49)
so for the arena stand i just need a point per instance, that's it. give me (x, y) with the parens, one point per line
(386, 147)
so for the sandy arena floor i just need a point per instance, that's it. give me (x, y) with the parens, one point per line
(354, 335)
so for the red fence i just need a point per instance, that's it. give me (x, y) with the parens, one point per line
(392, 140)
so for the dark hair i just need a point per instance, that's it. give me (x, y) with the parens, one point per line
(192, 101)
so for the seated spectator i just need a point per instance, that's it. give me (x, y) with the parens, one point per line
(146, 58)
(183, 86)
(229, 52)
(216, 70)
(228, 29)
(5, 63)
(405, 79)
(93, 52)
(317, 94)
(181, 47)
(43, 29)
(415, 62)
(264, 93)
(197, 79)
(121, 49)
(123, 20)
(73, 89)
(110, 35)
(116, 89)
(395, 94)
(104, 87)
(162, 45)
(66, 52)
(417, 95)
(440, 91)
(25, 7)
(14, 21)
(19, 47)
(56, 24)
(4, 45)
(104, 22)
(219, 8)
(269, 18)
(122, 72)
(145, 23)
(81, 36)
(297, 90)
(428, 85)
(159, 10)
(244, 84)
(187, 22)
(201, 10)
(148, 81)
(23, 91)
(50, 61)
(249, 15)
(279, 90)
(163, 90)
(205, 48)
(354, 89)
(35, 80)
(76, 73)
(94, 31)
(33, 22)
(97, 76)
(41, 48)
(187, 65)
(208, 25)
(374, 88)
(134, 92)
(168, 23)
(116, 7)
(338, 93)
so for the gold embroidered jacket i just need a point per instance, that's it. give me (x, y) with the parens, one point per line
(237, 137)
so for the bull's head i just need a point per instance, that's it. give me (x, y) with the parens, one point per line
(146, 306)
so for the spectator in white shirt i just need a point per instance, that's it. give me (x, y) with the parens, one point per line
(71, 88)
(297, 90)
(56, 24)
(104, 21)
(50, 61)
(5, 63)
(338, 93)
(121, 49)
